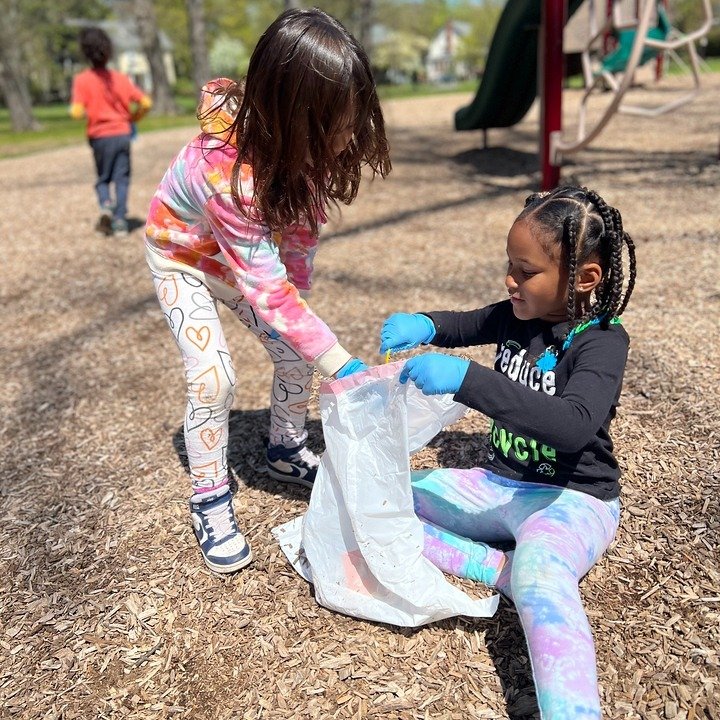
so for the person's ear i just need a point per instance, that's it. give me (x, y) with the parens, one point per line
(588, 277)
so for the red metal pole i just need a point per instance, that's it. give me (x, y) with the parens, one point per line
(551, 72)
(608, 39)
(660, 55)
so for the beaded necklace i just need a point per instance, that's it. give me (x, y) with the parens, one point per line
(548, 360)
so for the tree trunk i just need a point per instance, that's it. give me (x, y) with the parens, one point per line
(366, 20)
(198, 44)
(150, 40)
(13, 87)
(13, 81)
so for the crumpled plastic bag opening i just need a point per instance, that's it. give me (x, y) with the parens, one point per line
(360, 543)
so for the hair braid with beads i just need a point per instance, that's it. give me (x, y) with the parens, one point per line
(586, 228)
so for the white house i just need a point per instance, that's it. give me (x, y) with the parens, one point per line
(442, 64)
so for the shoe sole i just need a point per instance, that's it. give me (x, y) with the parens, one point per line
(226, 569)
(290, 480)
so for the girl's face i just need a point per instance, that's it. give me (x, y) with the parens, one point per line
(534, 279)
(345, 130)
(342, 138)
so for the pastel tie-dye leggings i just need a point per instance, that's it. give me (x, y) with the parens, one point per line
(191, 312)
(559, 535)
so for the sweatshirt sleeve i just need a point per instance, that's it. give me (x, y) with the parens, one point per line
(77, 99)
(567, 421)
(464, 329)
(142, 103)
(297, 252)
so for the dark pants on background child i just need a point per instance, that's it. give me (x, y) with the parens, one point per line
(112, 162)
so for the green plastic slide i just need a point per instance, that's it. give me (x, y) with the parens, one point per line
(509, 84)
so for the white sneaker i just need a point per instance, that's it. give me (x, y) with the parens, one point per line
(297, 465)
(223, 546)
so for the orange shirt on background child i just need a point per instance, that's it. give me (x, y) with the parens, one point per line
(106, 98)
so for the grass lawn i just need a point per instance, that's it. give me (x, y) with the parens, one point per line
(393, 92)
(59, 129)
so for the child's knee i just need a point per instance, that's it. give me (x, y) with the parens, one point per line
(212, 387)
(542, 581)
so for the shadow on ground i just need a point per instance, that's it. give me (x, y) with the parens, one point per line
(497, 162)
(247, 435)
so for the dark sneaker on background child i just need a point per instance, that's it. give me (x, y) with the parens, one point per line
(295, 465)
(223, 546)
(104, 223)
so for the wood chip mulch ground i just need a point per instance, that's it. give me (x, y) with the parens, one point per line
(106, 610)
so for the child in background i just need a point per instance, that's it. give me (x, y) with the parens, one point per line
(551, 481)
(111, 103)
(235, 219)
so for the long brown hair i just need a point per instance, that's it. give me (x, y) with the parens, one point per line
(308, 79)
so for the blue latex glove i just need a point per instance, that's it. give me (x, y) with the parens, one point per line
(350, 367)
(403, 331)
(435, 374)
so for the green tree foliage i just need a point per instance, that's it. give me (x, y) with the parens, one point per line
(401, 52)
(688, 15)
(172, 19)
(483, 22)
(240, 20)
(423, 18)
(45, 42)
(228, 57)
(411, 22)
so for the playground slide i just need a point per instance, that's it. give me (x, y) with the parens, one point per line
(509, 84)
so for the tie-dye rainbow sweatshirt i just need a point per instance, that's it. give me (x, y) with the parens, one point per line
(194, 227)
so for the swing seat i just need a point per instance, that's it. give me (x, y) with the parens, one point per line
(617, 69)
(617, 60)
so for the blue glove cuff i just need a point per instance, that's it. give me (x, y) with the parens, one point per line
(351, 366)
(430, 328)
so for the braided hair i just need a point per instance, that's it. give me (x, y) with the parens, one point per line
(586, 227)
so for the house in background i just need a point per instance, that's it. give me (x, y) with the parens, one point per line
(442, 63)
(129, 57)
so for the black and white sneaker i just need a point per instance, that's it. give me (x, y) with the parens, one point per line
(296, 465)
(223, 546)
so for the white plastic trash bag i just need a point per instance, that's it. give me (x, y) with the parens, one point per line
(360, 542)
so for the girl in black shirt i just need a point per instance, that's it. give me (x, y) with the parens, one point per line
(550, 482)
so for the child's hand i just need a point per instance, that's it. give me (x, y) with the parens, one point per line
(403, 331)
(351, 367)
(435, 374)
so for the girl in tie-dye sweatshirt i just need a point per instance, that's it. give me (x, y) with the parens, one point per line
(235, 219)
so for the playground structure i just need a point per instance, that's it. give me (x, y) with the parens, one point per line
(106, 610)
(529, 39)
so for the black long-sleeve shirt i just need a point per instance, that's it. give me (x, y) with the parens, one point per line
(547, 426)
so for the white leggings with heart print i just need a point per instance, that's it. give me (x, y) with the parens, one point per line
(191, 312)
